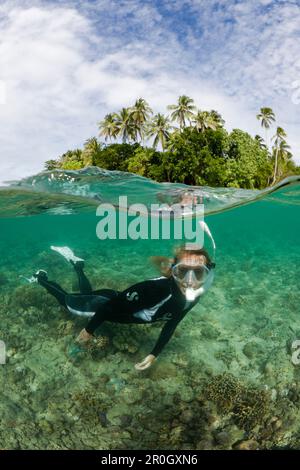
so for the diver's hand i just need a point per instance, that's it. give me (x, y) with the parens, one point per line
(83, 337)
(147, 362)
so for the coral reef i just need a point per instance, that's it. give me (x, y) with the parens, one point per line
(248, 405)
(127, 338)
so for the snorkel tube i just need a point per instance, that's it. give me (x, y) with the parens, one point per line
(206, 230)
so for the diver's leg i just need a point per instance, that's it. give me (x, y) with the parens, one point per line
(53, 288)
(84, 284)
(78, 263)
(102, 314)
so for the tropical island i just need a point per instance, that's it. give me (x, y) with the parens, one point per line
(189, 146)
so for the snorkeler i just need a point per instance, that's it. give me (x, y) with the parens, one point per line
(182, 198)
(167, 298)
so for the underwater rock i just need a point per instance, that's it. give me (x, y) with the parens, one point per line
(250, 444)
(223, 438)
(276, 423)
(163, 370)
(205, 444)
(101, 342)
(45, 426)
(253, 349)
(131, 395)
(209, 414)
(176, 435)
(11, 352)
(3, 279)
(65, 328)
(180, 361)
(21, 372)
(116, 384)
(209, 332)
(104, 378)
(294, 393)
(187, 394)
(284, 392)
(32, 315)
(268, 369)
(227, 355)
(27, 296)
(125, 420)
(103, 419)
(127, 339)
(273, 394)
(97, 347)
(186, 416)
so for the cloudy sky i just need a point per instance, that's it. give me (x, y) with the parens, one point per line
(65, 64)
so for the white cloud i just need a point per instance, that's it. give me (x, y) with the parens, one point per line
(66, 64)
(2, 92)
(254, 55)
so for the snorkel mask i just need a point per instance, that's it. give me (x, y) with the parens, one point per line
(195, 279)
(190, 278)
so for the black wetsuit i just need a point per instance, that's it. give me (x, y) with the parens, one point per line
(149, 301)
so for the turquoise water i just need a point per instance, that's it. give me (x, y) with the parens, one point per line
(235, 343)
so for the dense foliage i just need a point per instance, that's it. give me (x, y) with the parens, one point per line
(199, 151)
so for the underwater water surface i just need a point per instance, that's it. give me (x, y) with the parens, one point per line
(226, 378)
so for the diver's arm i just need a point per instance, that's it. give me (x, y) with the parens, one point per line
(147, 362)
(88, 332)
(100, 316)
(165, 335)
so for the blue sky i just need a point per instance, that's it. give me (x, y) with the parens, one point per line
(65, 64)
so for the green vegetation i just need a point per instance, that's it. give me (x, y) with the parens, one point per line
(195, 148)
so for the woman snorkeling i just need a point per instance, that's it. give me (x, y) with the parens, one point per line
(167, 298)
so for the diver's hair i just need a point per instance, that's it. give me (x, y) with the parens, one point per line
(179, 252)
(183, 250)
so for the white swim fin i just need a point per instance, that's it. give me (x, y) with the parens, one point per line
(35, 276)
(67, 253)
(30, 280)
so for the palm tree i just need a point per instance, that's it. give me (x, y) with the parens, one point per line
(91, 150)
(171, 144)
(217, 117)
(52, 164)
(125, 125)
(140, 113)
(183, 110)
(108, 127)
(284, 155)
(205, 120)
(260, 141)
(71, 159)
(266, 118)
(279, 138)
(159, 128)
